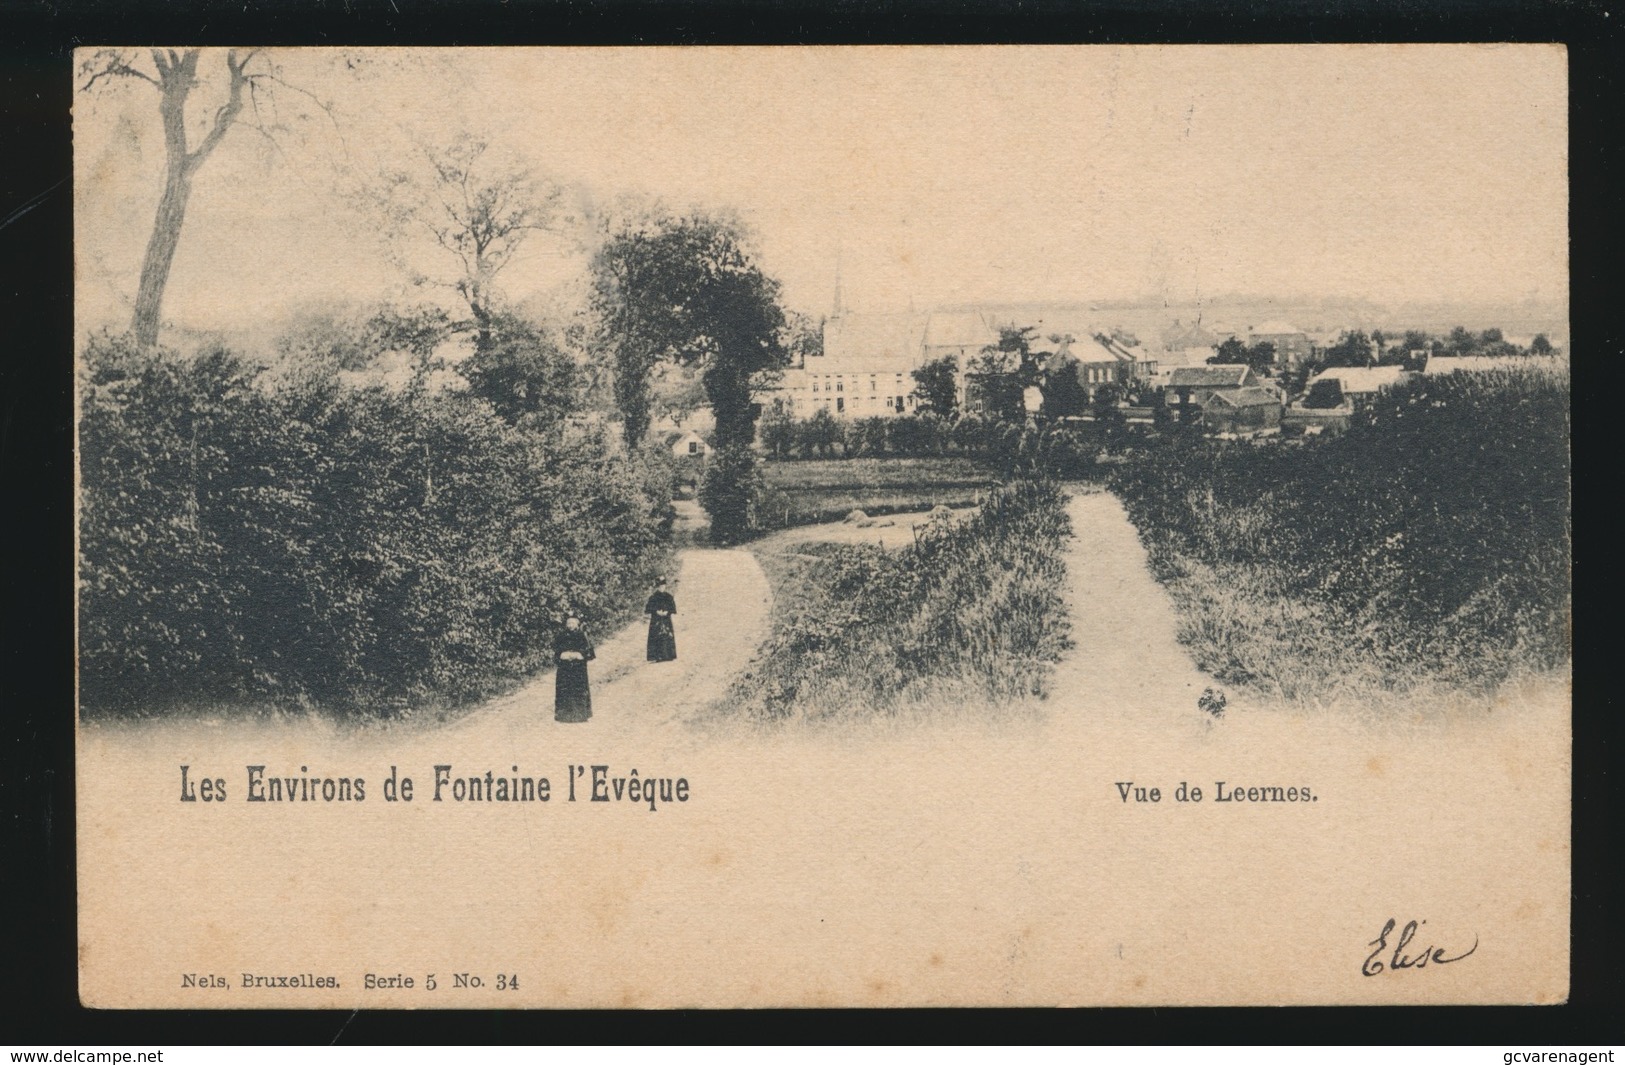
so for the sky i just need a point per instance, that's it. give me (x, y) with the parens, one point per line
(921, 176)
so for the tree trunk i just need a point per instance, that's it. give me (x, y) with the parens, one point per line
(177, 74)
(166, 237)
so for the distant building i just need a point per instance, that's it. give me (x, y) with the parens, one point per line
(866, 369)
(1100, 359)
(1292, 345)
(867, 365)
(1197, 385)
(1188, 345)
(686, 443)
(958, 334)
(1360, 384)
(1242, 410)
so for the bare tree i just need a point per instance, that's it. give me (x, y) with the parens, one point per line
(250, 75)
(473, 208)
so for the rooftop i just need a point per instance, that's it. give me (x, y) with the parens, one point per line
(1248, 397)
(1210, 376)
(1359, 379)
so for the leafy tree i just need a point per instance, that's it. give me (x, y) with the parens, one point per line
(729, 491)
(521, 372)
(1230, 353)
(821, 432)
(804, 337)
(936, 385)
(1460, 341)
(1416, 340)
(778, 432)
(686, 290)
(1162, 418)
(1260, 356)
(1065, 395)
(1352, 349)
(1294, 379)
(1107, 412)
(1325, 394)
(871, 436)
(1004, 369)
(1541, 346)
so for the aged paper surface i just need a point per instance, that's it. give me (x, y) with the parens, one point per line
(1011, 850)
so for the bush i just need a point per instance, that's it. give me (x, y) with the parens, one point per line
(1431, 541)
(356, 550)
(731, 493)
(972, 612)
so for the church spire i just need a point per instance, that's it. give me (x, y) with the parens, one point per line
(838, 309)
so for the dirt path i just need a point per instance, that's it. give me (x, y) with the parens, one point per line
(1127, 662)
(723, 604)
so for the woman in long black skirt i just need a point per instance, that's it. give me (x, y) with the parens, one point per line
(572, 701)
(662, 638)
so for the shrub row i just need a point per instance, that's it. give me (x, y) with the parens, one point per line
(1431, 541)
(360, 550)
(971, 612)
(1063, 450)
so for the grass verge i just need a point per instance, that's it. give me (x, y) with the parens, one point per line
(1424, 555)
(972, 613)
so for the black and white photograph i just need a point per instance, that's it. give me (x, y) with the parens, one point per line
(822, 526)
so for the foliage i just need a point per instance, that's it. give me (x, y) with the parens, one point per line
(778, 433)
(1324, 394)
(936, 386)
(1353, 348)
(1260, 356)
(522, 372)
(1429, 542)
(686, 290)
(1064, 449)
(360, 550)
(675, 393)
(971, 612)
(1002, 371)
(821, 433)
(1106, 410)
(729, 493)
(804, 337)
(1065, 395)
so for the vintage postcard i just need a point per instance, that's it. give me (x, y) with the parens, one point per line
(886, 526)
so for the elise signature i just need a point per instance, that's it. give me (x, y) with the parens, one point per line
(1401, 955)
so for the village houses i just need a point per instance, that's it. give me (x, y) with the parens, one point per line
(1359, 385)
(866, 368)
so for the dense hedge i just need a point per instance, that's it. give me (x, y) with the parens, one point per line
(1432, 540)
(362, 550)
(971, 613)
(1066, 450)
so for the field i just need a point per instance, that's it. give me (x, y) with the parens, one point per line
(816, 490)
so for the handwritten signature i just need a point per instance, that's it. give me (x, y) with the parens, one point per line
(1402, 957)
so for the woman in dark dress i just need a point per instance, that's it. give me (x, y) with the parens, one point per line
(662, 639)
(571, 653)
